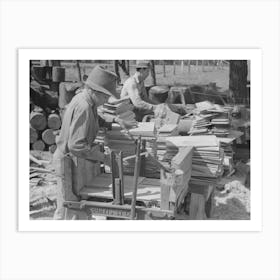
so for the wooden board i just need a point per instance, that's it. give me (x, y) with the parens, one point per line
(193, 141)
(148, 189)
(144, 129)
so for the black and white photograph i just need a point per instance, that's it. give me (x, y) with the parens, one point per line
(139, 140)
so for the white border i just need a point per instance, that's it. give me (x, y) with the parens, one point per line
(25, 224)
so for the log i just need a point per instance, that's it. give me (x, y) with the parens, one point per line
(48, 137)
(39, 145)
(33, 135)
(38, 120)
(52, 148)
(54, 121)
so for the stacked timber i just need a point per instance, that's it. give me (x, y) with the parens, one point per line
(207, 159)
(121, 108)
(44, 126)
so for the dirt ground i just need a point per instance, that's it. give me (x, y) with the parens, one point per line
(232, 203)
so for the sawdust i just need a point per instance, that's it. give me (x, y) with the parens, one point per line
(233, 203)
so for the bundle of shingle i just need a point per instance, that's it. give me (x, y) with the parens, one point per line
(208, 156)
(210, 119)
(121, 108)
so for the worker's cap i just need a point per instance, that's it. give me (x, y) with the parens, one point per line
(102, 80)
(142, 64)
(157, 90)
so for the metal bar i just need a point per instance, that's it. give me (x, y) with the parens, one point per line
(117, 211)
(120, 163)
(113, 161)
(136, 175)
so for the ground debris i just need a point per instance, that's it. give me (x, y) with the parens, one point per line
(233, 203)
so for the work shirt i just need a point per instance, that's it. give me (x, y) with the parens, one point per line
(80, 127)
(136, 91)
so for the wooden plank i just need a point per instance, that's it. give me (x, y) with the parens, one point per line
(145, 129)
(166, 181)
(171, 117)
(105, 181)
(197, 207)
(183, 159)
(200, 189)
(193, 141)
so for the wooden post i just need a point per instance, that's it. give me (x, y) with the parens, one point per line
(164, 73)
(127, 67)
(182, 66)
(189, 66)
(116, 66)
(153, 72)
(197, 207)
(121, 177)
(174, 67)
(79, 70)
(135, 179)
(238, 80)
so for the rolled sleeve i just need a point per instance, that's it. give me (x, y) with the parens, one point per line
(136, 99)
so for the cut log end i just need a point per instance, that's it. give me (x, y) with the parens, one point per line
(48, 137)
(38, 120)
(38, 145)
(33, 135)
(54, 121)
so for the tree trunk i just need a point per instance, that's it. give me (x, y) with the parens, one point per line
(127, 67)
(79, 71)
(153, 72)
(238, 80)
(116, 66)
(123, 66)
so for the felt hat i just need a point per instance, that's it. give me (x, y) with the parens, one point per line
(142, 64)
(102, 80)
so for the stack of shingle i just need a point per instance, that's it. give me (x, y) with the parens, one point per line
(121, 108)
(207, 161)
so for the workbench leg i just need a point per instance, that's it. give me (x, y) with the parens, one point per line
(208, 206)
(197, 207)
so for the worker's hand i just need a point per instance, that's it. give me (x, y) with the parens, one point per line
(126, 124)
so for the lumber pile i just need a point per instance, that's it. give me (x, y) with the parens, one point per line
(207, 159)
(121, 108)
(44, 126)
(211, 119)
